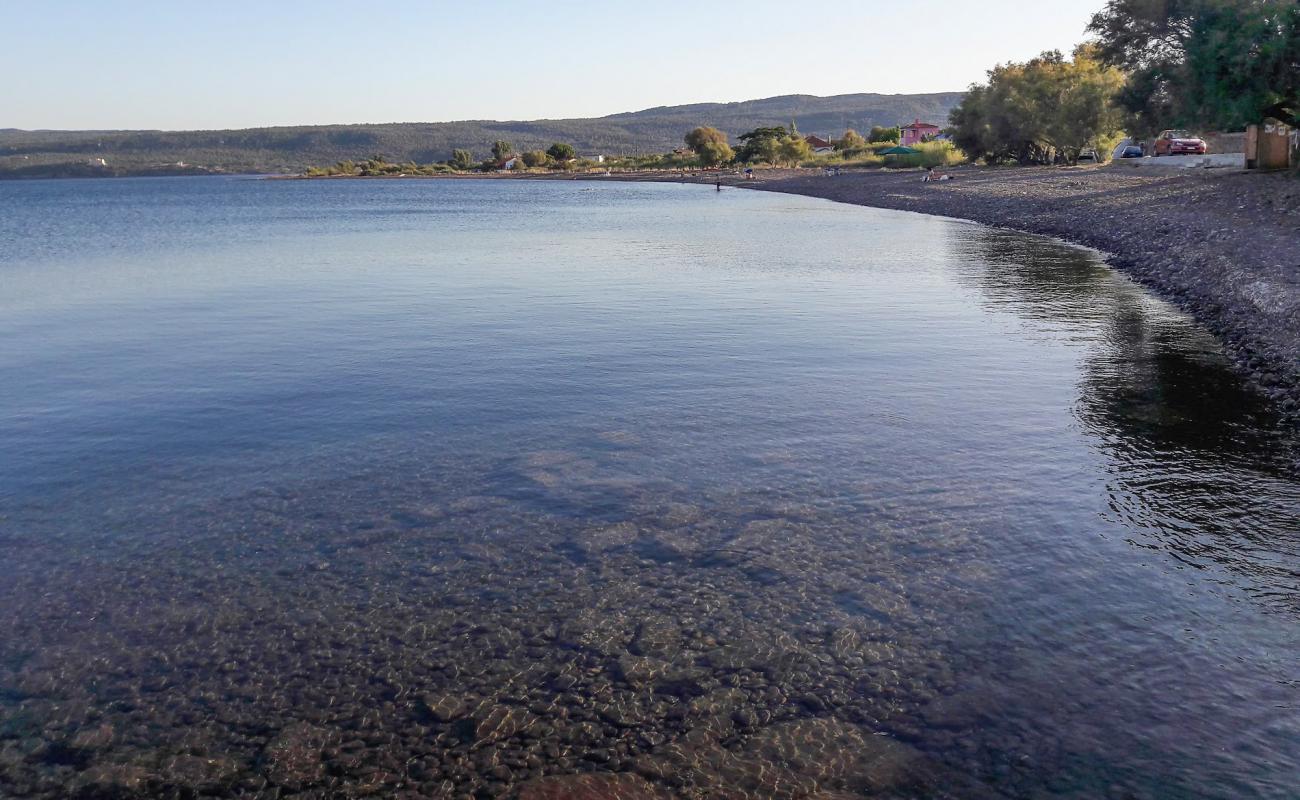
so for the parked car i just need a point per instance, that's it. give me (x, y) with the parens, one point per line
(1131, 151)
(1179, 143)
(1089, 154)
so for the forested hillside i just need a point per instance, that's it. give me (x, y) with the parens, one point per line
(293, 149)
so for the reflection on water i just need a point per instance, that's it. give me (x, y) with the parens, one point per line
(327, 488)
(1178, 428)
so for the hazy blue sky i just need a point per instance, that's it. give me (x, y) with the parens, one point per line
(236, 63)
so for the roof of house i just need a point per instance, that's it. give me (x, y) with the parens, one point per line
(919, 124)
(817, 141)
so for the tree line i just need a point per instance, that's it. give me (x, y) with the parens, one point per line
(1214, 64)
(559, 155)
(778, 145)
(706, 147)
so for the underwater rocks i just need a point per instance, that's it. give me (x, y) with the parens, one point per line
(466, 653)
(294, 758)
(591, 787)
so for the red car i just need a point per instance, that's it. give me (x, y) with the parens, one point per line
(1179, 143)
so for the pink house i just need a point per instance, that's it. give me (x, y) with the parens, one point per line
(918, 132)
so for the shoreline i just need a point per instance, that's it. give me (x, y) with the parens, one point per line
(1222, 246)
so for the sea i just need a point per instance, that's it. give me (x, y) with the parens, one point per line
(547, 489)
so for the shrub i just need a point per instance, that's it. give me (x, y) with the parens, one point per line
(535, 158)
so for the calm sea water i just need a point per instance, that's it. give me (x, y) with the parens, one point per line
(434, 488)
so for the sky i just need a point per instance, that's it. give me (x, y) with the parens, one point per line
(191, 64)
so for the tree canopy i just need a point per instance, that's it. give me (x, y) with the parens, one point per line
(881, 134)
(698, 137)
(793, 149)
(462, 159)
(761, 144)
(501, 149)
(1214, 63)
(851, 140)
(534, 158)
(710, 144)
(561, 152)
(1042, 110)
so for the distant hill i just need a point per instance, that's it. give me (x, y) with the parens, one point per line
(293, 149)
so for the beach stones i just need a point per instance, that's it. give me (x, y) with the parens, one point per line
(468, 654)
(294, 758)
(656, 636)
(443, 707)
(195, 773)
(603, 786)
(95, 738)
(798, 759)
(601, 632)
(501, 722)
(603, 538)
(112, 780)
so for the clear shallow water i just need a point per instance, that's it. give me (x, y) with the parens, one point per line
(443, 487)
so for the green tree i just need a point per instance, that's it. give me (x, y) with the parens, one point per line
(794, 149)
(1042, 110)
(501, 149)
(851, 140)
(710, 144)
(714, 153)
(1213, 63)
(462, 159)
(562, 152)
(535, 158)
(761, 145)
(698, 137)
(879, 134)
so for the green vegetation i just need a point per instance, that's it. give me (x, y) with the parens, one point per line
(793, 150)
(1203, 63)
(462, 159)
(1198, 64)
(928, 154)
(851, 140)
(291, 150)
(561, 152)
(761, 145)
(710, 146)
(1042, 111)
(879, 135)
(377, 166)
